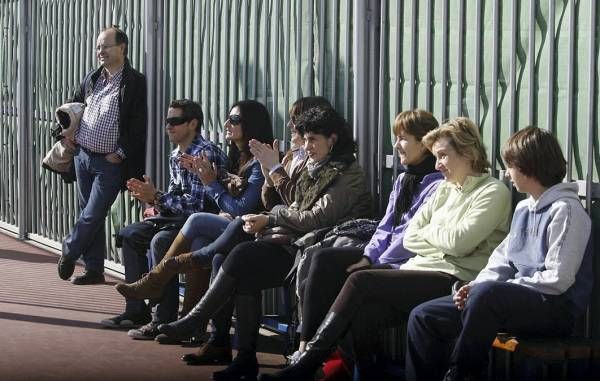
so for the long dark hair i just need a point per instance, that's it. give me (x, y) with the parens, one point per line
(326, 122)
(256, 124)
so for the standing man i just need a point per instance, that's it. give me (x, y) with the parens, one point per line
(109, 148)
(186, 195)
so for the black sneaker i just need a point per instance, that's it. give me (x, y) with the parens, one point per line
(127, 320)
(89, 277)
(66, 266)
(145, 332)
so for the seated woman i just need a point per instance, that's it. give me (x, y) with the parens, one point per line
(536, 283)
(451, 235)
(332, 188)
(238, 194)
(330, 267)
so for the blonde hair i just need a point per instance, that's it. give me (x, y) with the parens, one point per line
(463, 136)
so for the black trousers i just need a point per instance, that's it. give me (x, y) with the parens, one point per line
(439, 335)
(326, 277)
(374, 299)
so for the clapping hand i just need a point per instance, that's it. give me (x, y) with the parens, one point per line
(142, 190)
(200, 166)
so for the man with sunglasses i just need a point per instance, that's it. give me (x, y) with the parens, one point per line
(109, 147)
(185, 196)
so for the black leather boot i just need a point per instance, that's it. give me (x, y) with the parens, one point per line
(245, 365)
(216, 296)
(317, 350)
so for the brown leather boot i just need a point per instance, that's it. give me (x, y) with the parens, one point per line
(152, 284)
(196, 284)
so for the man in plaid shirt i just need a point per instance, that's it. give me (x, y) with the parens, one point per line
(185, 195)
(109, 146)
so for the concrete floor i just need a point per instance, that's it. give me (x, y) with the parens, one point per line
(49, 329)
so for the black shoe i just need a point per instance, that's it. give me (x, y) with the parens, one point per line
(89, 277)
(242, 368)
(209, 354)
(127, 320)
(66, 266)
(145, 332)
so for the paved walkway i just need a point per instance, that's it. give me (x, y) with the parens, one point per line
(49, 329)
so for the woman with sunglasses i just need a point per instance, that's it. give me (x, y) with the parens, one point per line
(451, 236)
(236, 194)
(331, 189)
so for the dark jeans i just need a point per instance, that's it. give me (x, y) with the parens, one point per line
(98, 184)
(439, 335)
(326, 277)
(137, 240)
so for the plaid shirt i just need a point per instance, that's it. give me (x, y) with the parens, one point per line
(99, 127)
(186, 192)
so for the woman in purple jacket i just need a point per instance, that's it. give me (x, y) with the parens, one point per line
(330, 267)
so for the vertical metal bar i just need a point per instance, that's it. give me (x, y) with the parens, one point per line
(334, 48)
(531, 64)
(322, 38)
(255, 54)
(349, 58)
(589, 176)
(275, 70)
(383, 52)
(479, 45)
(310, 51)
(551, 45)
(151, 83)
(428, 58)
(412, 87)
(23, 110)
(298, 49)
(286, 64)
(360, 44)
(444, 88)
(494, 102)
(513, 68)
(571, 91)
(460, 59)
(398, 68)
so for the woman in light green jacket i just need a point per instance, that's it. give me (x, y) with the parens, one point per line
(452, 236)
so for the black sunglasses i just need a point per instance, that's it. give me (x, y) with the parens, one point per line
(176, 120)
(234, 119)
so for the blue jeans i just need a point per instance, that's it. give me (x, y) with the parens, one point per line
(201, 229)
(439, 335)
(98, 184)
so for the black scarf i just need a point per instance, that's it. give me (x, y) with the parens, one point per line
(412, 177)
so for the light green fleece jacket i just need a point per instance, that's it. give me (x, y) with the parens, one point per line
(458, 228)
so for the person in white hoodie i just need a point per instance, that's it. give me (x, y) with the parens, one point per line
(536, 282)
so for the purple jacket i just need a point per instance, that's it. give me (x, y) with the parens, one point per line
(386, 245)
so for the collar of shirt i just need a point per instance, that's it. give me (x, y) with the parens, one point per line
(109, 78)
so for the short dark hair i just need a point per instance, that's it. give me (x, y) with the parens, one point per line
(256, 124)
(326, 121)
(120, 37)
(305, 103)
(189, 110)
(536, 153)
(415, 122)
